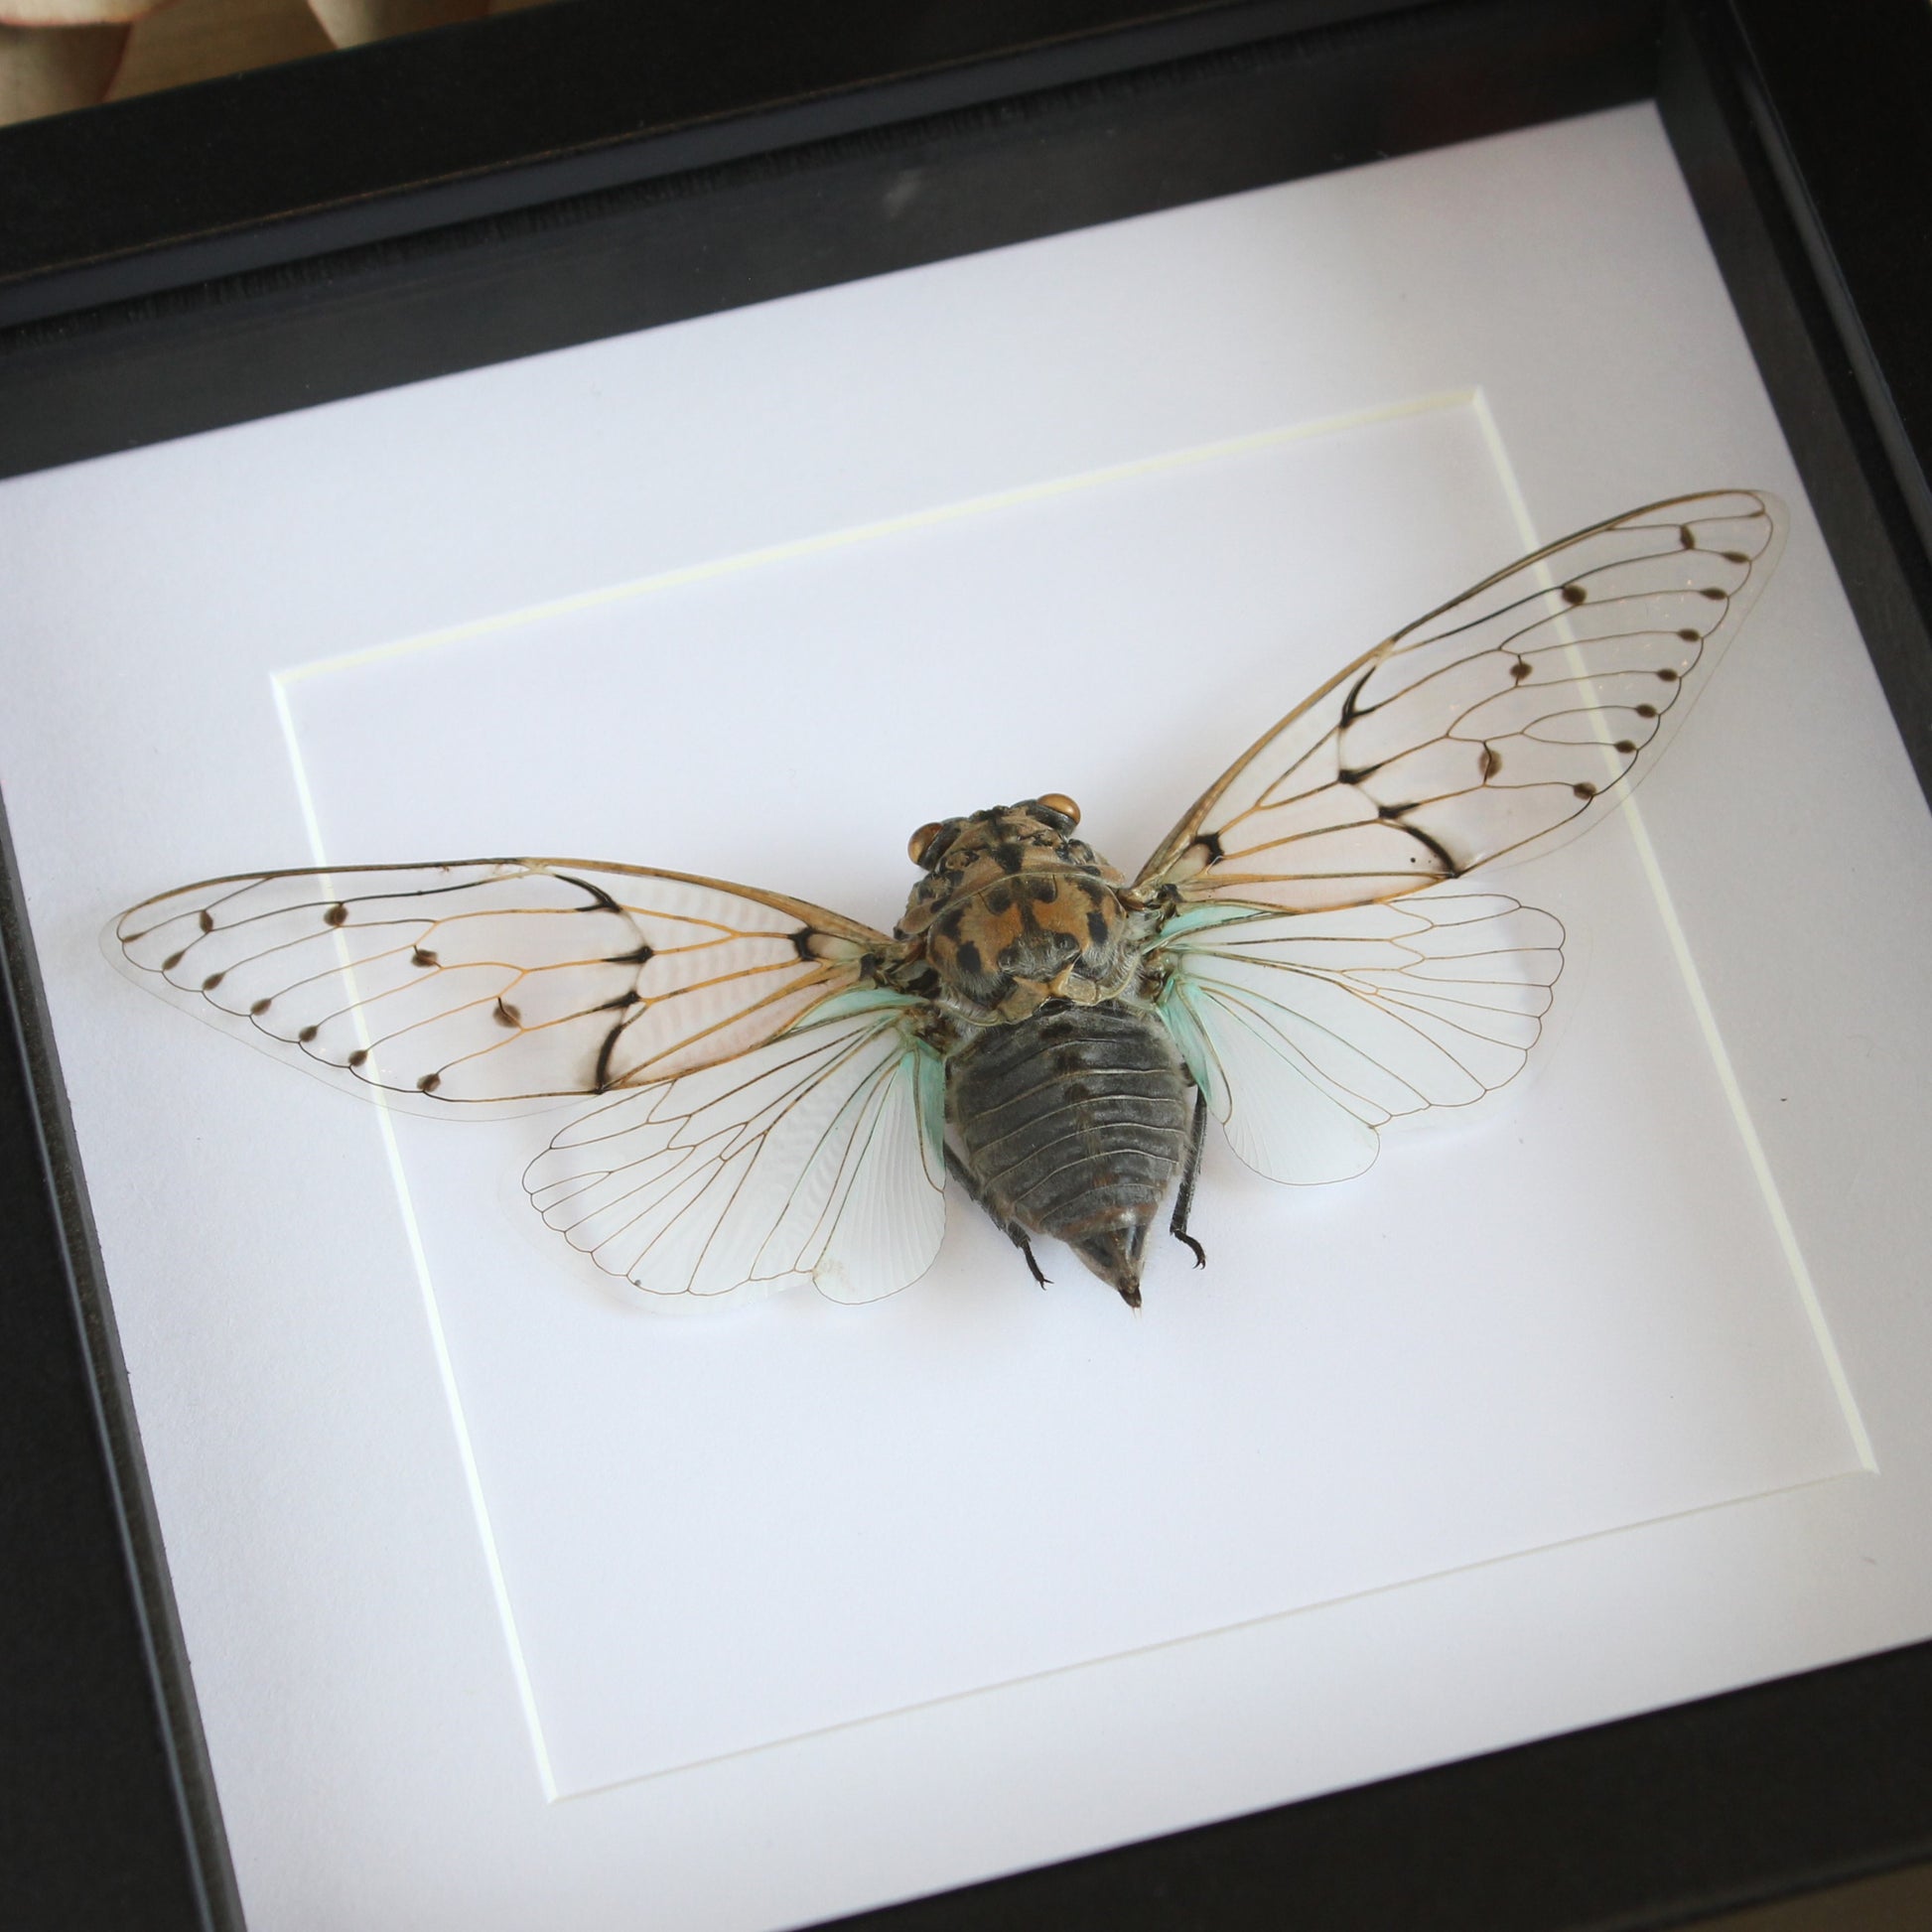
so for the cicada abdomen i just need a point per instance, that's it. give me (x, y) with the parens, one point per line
(1073, 1124)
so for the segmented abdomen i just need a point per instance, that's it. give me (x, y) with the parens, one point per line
(1073, 1120)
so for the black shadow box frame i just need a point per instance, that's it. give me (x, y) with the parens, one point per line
(261, 243)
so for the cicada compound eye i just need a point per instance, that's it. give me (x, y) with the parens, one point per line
(1058, 801)
(917, 844)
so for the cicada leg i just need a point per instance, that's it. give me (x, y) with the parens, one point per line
(1183, 1199)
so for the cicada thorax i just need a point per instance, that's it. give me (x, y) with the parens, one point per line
(1016, 912)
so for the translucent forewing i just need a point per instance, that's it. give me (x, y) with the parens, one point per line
(1309, 1032)
(1491, 726)
(817, 1156)
(505, 983)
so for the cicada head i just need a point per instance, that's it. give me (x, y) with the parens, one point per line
(948, 847)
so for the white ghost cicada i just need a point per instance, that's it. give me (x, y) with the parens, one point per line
(780, 1092)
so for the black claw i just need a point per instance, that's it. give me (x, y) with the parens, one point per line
(1025, 1247)
(1190, 1173)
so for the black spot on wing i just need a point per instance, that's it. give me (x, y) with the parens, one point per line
(597, 895)
(1351, 707)
(601, 1075)
(1431, 844)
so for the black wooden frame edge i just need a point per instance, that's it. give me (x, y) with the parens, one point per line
(1875, 269)
(1505, 1842)
(1809, 321)
(584, 96)
(1846, 1711)
(110, 1817)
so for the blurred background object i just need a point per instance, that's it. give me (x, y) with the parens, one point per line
(59, 55)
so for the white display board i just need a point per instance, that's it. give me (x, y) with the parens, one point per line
(512, 1601)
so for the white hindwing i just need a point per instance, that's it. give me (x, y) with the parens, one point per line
(1306, 1032)
(818, 1156)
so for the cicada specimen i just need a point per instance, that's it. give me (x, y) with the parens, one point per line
(782, 1092)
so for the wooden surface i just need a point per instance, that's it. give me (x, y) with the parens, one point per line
(54, 69)
(1895, 1902)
